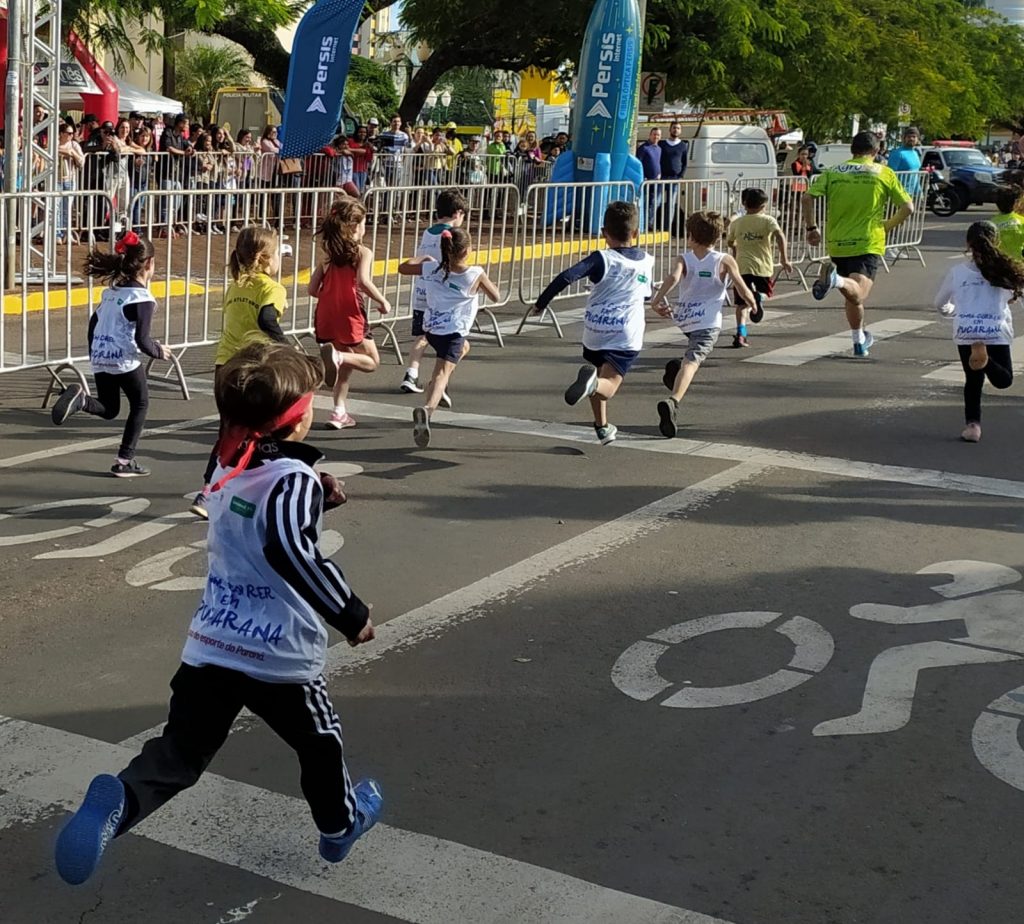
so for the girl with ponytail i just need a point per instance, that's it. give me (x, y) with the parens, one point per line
(340, 284)
(119, 339)
(452, 291)
(977, 295)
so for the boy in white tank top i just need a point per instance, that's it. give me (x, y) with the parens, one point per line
(613, 324)
(703, 276)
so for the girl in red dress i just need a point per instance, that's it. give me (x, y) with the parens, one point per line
(339, 283)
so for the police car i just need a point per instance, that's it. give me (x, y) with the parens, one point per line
(971, 173)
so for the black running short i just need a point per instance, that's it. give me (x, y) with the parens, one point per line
(866, 265)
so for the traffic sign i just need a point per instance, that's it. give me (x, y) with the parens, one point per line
(905, 109)
(652, 91)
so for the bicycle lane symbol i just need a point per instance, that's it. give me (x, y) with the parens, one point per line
(636, 672)
(995, 633)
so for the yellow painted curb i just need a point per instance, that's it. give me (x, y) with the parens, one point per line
(80, 296)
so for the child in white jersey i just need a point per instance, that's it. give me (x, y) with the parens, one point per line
(703, 275)
(977, 294)
(257, 639)
(451, 208)
(452, 290)
(613, 323)
(120, 346)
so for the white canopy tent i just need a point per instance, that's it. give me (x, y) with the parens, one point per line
(138, 100)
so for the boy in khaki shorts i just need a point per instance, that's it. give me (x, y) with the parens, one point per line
(751, 238)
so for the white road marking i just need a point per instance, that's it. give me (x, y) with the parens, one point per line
(953, 373)
(834, 344)
(669, 334)
(636, 674)
(472, 602)
(732, 452)
(410, 876)
(120, 509)
(102, 443)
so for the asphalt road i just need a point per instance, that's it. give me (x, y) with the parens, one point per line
(766, 673)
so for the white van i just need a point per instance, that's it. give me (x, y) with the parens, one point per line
(733, 152)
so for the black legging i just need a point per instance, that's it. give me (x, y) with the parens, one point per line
(999, 372)
(107, 404)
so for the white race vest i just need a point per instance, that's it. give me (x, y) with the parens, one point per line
(614, 317)
(250, 619)
(430, 246)
(702, 293)
(113, 343)
(982, 312)
(450, 309)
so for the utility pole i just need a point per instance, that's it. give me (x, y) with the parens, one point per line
(12, 141)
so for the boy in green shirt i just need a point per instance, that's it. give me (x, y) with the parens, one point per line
(1010, 222)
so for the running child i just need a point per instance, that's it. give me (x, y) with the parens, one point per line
(703, 275)
(751, 237)
(119, 343)
(977, 294)
(254, 305)
(1009, 221)
(262, 649)
(340, 324)
(613, 323)
(450, 208)
(453, 290)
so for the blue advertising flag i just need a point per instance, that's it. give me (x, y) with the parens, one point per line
(317, 74)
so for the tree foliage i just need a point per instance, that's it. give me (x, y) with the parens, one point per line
(203, 69)
(370, 90)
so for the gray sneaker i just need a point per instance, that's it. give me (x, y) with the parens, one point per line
(130, 469)
(583, 387)
(607, 433)
(411, 385)
(420, 427)
(71, 401)
(199, 505)
(446, 399)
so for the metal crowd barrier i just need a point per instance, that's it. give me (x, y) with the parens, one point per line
(46, 302)
(399, 216)
(562, 225)
(908, 237)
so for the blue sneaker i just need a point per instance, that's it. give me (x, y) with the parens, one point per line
(84, 838)
(827, 280)
(369, 801)
(860, 350)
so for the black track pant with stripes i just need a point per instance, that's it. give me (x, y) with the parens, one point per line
(205, 701)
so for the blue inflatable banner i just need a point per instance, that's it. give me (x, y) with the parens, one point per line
(317, 74)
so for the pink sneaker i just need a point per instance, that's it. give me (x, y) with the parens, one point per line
(340, 421)
(972, 433)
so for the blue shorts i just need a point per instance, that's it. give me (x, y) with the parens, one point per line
(447, 346)
(417, 323)
(620, 360)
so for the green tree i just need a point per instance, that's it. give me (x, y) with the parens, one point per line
(204, 69)
(370, 90)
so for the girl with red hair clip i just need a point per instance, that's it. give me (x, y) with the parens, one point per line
(119, 345)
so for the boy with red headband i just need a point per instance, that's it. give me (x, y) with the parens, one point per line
(257, 640)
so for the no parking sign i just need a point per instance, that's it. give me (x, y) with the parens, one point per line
(652, 91)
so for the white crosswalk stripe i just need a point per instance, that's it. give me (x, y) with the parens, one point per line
(834, 344)
(953, 373)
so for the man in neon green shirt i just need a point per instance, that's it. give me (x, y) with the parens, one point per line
(1009, 223)
(856, 195)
